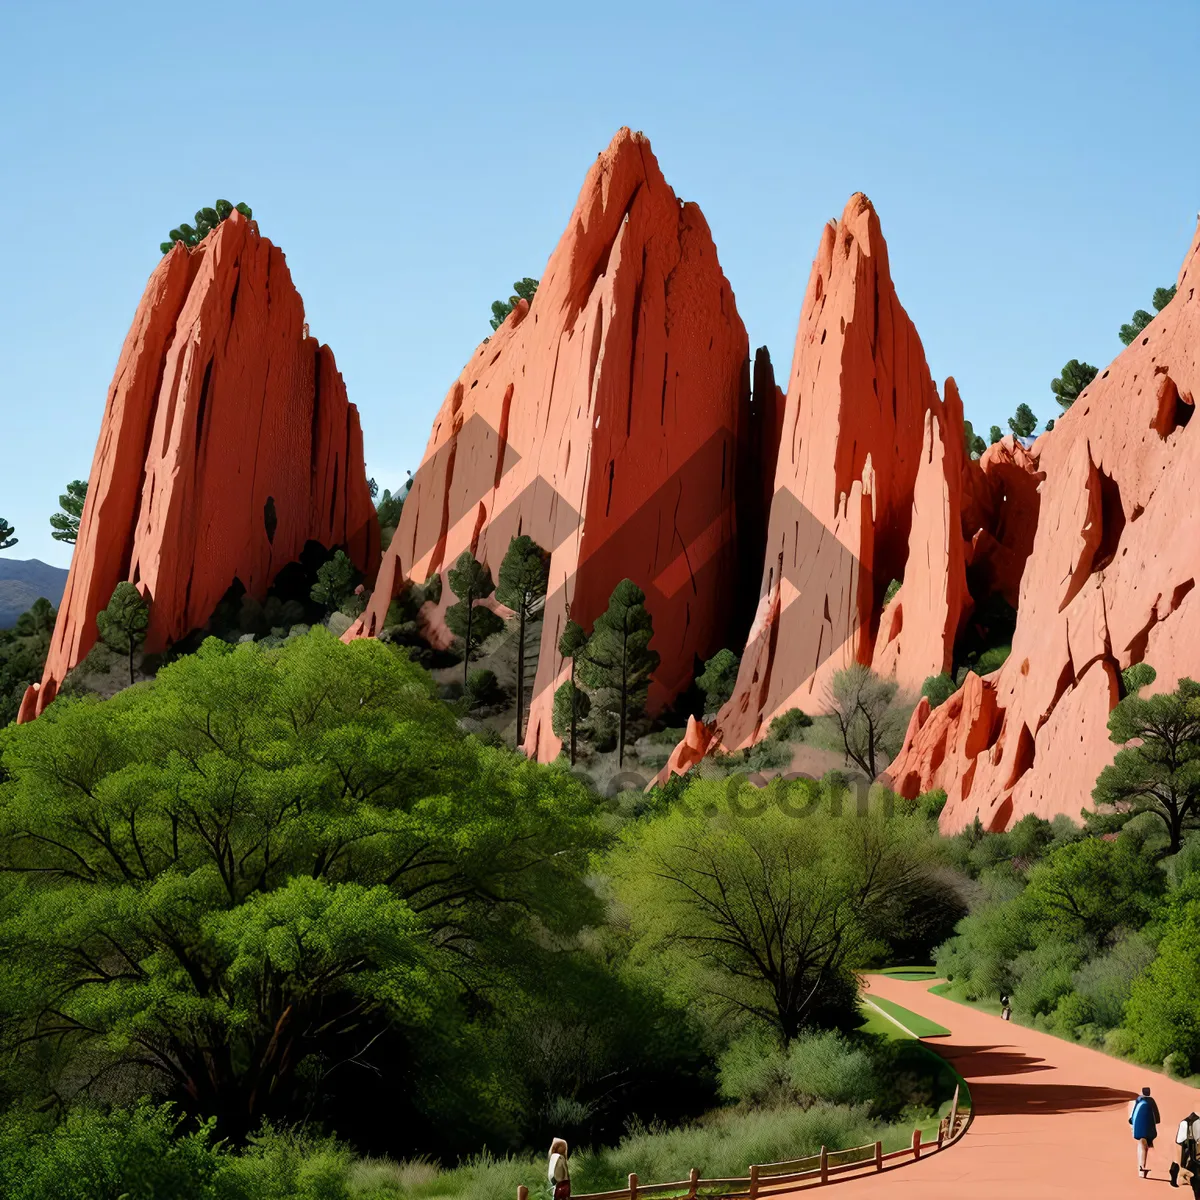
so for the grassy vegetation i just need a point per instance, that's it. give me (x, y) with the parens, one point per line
(919, 1025)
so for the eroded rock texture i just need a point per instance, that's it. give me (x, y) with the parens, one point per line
(1110, 581)
(869, 457)
(227, 443)
(603, 422)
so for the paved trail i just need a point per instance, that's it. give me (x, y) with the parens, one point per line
(1051, 1117)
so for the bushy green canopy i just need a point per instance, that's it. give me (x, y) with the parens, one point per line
(213, 885)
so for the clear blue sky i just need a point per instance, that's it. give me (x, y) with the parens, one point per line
(1035, 168)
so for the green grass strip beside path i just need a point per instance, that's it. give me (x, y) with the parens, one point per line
(913, 1022)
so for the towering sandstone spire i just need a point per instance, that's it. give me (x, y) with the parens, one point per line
(227, 442)
(602, 421)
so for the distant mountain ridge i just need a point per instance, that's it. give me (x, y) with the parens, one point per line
(22, 581)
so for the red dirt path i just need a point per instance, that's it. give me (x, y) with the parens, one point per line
(1051, 1117)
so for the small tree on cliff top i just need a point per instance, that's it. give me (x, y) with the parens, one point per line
(207, 219)
(1073, 381)
(524, 289)
(7, 535)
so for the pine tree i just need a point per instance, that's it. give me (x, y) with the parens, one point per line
(65, 524)
(572, 644)
(1141, 318)
(524, 289)
(995, 434)
(619, 662)
(123, 623)
(524, 574)
(718, 679)
(473, 624)
(1024, 422)
(1074, 379)
(7, 535)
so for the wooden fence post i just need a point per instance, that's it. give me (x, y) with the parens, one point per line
(953, 1112)
(633, 1186)
(916, 1143)
(753, 1181)
(879, 1156)
(694, 1180)
(824, 1165)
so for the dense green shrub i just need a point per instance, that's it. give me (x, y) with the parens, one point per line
(207, 219)
(1162, 1012)
(790, 726)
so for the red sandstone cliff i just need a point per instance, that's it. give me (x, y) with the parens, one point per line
(1109, 581)
(227, 442)
(603, 422)
(867, 488)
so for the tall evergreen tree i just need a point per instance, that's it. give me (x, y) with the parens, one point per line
(65, 524)
(472, 624)
(523, 577)
(123, 623)
(619, 662)
(577, 704)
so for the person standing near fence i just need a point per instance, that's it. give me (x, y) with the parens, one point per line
(558, 1172)
(1143, 1116)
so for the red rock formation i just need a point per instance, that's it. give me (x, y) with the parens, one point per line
(934, 591)
(863, 423)
(697, 742)
(227, 443)
(1110, 581)
(602, 422)
(1000, 516)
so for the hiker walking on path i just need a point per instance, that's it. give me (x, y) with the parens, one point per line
(1005, 1008)
(1187, 1169)
(557, 1171)
(1144, 1117)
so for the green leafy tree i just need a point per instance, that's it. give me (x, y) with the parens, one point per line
(619, 662)
(468, 620)
(23, 651)
(994, 435)
(572, 711)
(762, 917)
(336, 580)
(65, 524)
(1024, 422)
(1073, 381)
(207, 219)
(1141, 318)
(1161, 774)
(524, 289)
(938, 689)
(1162, 1013)
(868, 717)
(268, 863)
(7, 535)
(388, 508)
(524, 574)
(718, 679)
(1092, 888)
(123, 623)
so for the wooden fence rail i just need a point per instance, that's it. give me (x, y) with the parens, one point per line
(765, 1179)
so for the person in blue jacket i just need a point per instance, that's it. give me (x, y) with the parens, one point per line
(1143, 1116)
